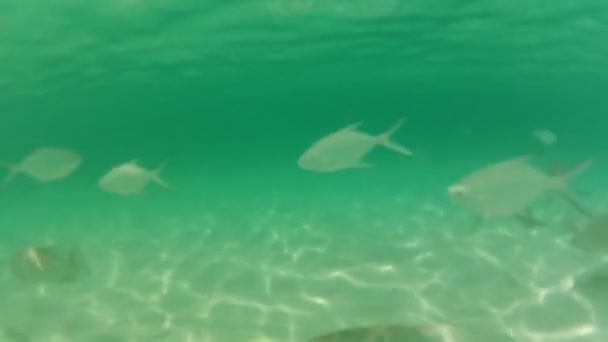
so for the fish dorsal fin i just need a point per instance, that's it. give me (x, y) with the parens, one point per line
(521, 159)
(517, 160)
(351, 127)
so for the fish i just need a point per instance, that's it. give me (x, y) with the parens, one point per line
(424, 332)
(346, 148)
(509, 187)
(49, 264)
(384, 333)
(545, 136)
(130, 178)
(45, 164)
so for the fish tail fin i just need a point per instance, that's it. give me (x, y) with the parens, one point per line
(565, 190)
(576, 170)
(385, 139)
(158, 179)
(13, 171)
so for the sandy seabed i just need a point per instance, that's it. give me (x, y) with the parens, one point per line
(268, 273)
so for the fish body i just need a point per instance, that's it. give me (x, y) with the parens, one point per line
(385, 333)
(507, 188)
(130, 178)
(46, 164)
(346, 149)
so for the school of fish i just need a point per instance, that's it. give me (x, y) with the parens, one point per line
(506, 189)
(503, 189)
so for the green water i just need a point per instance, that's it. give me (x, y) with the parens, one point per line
(251, 248)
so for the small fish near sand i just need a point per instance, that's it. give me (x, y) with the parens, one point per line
(49, 264)
(346, 148)
(130, 178)
(45, 165)
(509, 187)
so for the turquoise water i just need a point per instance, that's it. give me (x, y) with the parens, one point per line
(251, 248)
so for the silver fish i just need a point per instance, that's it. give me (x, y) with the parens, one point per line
(346, 148)
(507, 188)
(45, 165)
(385, 333)
(130, 178)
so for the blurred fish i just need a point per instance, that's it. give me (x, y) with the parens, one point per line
(545, 136)
(49, 264)
(384, 333)
(507, 188)
(45, 165)
(346, 148)
(130, 178)
(417, 333)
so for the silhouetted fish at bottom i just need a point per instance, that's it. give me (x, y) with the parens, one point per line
(384, 333)
(49, 264)
(417, 333)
